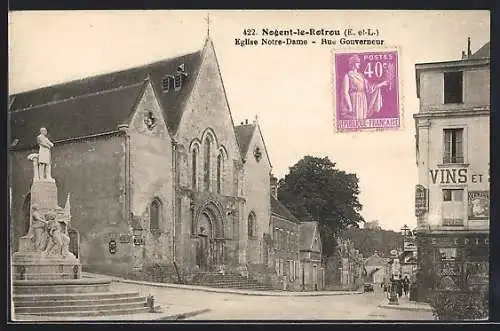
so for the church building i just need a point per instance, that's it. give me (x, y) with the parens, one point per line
(157, 171)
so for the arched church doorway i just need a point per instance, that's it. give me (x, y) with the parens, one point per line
(210, 238)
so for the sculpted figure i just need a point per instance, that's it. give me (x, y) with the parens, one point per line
(38, 226)
(55, 242)
(45, 145)
(361, 98)
(58, 243)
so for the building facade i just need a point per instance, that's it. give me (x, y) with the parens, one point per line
(452, 152)
(377, 269)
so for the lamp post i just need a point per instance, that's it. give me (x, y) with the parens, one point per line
(392, 295)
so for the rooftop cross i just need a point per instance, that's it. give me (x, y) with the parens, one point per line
(208, 25)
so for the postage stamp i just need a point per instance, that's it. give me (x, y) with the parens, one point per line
(366, 85)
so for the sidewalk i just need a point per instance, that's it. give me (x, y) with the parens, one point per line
(224, 290)
(180, 314)
(406, 304)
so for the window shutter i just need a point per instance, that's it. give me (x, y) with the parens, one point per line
(447, 146)
(459, 145)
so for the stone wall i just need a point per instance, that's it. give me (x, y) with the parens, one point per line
(152, 178)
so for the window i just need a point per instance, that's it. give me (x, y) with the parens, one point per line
(207, 164)
(453, 194)
(251, 225)
(453, 146)
(194, 169)
(167, 83)
(453, 208)
(448, 253)
(177, 82)
(154, 215)
(453, 89)
(219, 173)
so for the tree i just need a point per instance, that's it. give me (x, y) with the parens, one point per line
(315, 190)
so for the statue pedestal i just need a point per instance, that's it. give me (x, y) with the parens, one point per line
(29, 263)
(36, 266)
(44, 194)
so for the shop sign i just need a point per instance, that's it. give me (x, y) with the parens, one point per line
(479, 205)
(453, 222)
(420, 200)
(459, 241)
(125, 238)
(112, 247)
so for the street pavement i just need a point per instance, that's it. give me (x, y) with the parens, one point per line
(229, 306)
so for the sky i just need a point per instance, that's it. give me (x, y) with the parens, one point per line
(288, 88)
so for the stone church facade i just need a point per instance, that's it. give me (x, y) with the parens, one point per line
(158, 173)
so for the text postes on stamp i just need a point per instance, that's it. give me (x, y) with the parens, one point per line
(366, 91)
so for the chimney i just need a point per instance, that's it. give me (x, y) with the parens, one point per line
(274, 187)
(469, 52)
(246, 121)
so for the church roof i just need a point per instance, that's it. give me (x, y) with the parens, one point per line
(280, 210)
(75, 118)
(482, 53)
(244, 135)
(100, 103)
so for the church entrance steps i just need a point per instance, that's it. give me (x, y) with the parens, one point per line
(83, 285)
(78, 301)
(228, 281)
(68, 307)
(74, 298)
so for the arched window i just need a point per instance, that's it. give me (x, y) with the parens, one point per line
(251, 225)
(219, 173)
(194, 169)
(155, 214)
(206, 172)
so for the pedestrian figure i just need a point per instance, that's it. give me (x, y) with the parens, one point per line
(406, 285)
(400, 288)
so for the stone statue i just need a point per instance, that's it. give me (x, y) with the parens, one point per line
(39, 229)
(58, 238)
(45, 145)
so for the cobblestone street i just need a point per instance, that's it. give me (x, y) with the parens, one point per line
(225, 306)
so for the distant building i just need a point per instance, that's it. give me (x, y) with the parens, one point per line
(452, 152)
(374, 225)
(377, 268)
(296, 250)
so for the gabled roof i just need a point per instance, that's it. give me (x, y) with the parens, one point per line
(60, 102)
(244, 134)
(79, 117)
(280, 210)
(482, 53)
(307, 234)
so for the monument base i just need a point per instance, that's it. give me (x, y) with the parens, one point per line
(36, 266)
